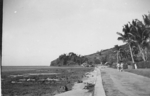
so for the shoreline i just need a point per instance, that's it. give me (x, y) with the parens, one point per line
(44, 84)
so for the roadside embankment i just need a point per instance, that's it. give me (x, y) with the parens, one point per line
(99, 90)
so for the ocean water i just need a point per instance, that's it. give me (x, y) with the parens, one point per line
(25, 68)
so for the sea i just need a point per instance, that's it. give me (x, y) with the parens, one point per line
(25, 68)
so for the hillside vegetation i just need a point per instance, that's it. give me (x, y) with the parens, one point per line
(135, 51)
(70, 59)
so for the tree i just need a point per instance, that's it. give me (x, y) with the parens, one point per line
(125, 37)
(123, 54)
(103, 59)
(117, 48)
(96, 61)
(146, 19)
(139, 35)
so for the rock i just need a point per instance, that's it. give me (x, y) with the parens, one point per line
(22, 80)
(66, 88)
(13, 82)
(63, 88)
(80, 81)
(89, 85)
(55, 92)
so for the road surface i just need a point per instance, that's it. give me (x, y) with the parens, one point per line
(118, 83)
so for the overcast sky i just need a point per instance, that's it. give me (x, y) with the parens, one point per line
(35, 32)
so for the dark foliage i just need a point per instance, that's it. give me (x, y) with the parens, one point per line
(71, 59)
(143, 64)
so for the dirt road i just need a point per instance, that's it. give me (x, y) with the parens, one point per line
(124, 83)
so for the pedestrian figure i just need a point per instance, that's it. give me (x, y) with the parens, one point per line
(118, 66)
(121, 65)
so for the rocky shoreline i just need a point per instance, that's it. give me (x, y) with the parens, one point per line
(17, 83)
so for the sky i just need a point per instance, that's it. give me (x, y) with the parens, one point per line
(35, 32)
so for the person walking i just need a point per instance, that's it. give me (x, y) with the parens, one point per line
(121, 65)
(118, 66)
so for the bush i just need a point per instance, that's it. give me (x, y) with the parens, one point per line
(125, 66)
(129, 62)
(143, 64)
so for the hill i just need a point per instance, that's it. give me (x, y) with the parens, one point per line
(108, 56)
(70, 59)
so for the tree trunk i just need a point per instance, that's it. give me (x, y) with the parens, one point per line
(135, 66)
(145, 50)
(143, 56)
(117, 56)
(131, 54)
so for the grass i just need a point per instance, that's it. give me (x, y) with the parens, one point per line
(66, 77)
(109, 87)
(143, 72)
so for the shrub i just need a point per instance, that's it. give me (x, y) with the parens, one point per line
(143, 64)
(125, 66)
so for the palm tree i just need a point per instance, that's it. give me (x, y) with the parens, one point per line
(127, 39)
(117, 48)
(146, 19)
(139, 35)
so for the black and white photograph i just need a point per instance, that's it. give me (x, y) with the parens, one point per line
(75, 48)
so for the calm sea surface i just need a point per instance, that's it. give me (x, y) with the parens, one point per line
(24, 68)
